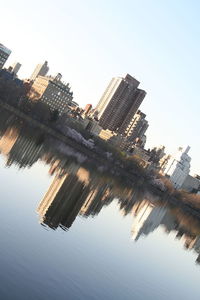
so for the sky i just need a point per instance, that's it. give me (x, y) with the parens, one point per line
(89, 42)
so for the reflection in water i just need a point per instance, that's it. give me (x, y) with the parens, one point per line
(77, 190)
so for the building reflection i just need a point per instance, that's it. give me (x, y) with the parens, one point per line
(149, 216)
(72, 194)
(80, 191)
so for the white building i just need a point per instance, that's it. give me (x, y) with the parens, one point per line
(15, 67)
(178, 167)
(40, 70)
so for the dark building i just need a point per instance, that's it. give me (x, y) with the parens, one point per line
(7, 76)
(136, 127)
(119, 103)
(4, 54)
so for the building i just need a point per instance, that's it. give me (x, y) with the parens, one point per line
(137, 126)
(4, 54)
(10, 76)
(191, 184)
(87, 109)
(129, 117)
(52, 91)
(119, 103)
(94, 127)
(15, 67)
(178, 167)
(40, 70)
(141, 153)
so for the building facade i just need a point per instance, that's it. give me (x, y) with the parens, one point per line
(40, 70)
(119, 103)
(191, 184)
(129, 119)
(52, 91)
(4, 54)
(178, 167)
(15, 67)
(136, 127)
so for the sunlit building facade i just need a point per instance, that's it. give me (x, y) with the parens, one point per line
(178, 167)
(52, 91)
(40, 70)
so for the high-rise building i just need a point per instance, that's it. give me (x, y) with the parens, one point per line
(87, 108)
(4, 54)
(40, 70)
(178, 167)
(52, 91)
(119, 103)
(136, 127)
(126, 126)
(15, 67)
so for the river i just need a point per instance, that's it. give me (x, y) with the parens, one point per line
(68, 232)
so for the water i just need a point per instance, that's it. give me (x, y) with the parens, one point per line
(82, 236)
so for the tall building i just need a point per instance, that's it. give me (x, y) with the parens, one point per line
(15, 67)
(87, 108)
(4, 54)
(136, 127)
(52, 91)
(119, 103)
(40, 70)
(178, 167)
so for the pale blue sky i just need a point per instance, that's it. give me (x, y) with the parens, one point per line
(89, 42)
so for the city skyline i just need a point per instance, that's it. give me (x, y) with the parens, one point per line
(163, 58)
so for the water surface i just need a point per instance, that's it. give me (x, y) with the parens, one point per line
(69, 233)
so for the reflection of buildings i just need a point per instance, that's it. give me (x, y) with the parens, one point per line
(8, 140)
(76, 191)
(63, 201)
(96, 199)
(25, 152)
(148, 218)
(70, 195)
(20, 149)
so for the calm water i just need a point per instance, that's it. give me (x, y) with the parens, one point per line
(81, 236)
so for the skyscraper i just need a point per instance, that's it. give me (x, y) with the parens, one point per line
(119, 103)
(40, 70)
(178, 167)
(136, 127)
(15, 67)
(4, 54)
